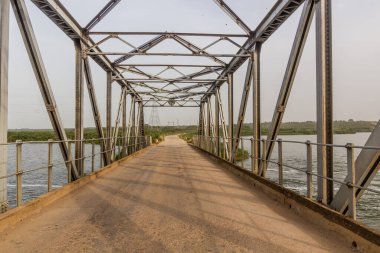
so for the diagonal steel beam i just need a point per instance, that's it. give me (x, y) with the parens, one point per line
(233, 15)
(367, 165)
(142, 49)
(195, 49)
(290, 73)
(243, 107)
(102, 14)
(35, 57)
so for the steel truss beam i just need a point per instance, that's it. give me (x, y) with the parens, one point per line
(169, 65)
(54, 10)
(223, 121)
(102, 14)
(195, 54)
(271, 22)
(290, 73)
(197, 50)
(109, 115)
(141, 49)
(233, 15)
(124, 123)
(324, 101)
(243, 106)
(95, 108)
(256, 105)
(223, 35)
(216, 128)
(79, 134)
(230, 83)
(130, 125)
(4, 54)
(31, 45)
(115, 133)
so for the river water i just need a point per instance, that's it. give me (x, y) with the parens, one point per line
(368, 208)
(34, 156)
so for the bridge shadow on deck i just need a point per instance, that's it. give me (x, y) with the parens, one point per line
(169, 199)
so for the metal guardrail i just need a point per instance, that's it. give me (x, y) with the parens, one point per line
(209, 144)
(119, 151)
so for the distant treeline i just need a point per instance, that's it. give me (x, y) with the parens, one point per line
(287, 128)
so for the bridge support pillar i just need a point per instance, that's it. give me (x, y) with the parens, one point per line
(4, 52)
(230, 114)
(79, 161)
(324, 101)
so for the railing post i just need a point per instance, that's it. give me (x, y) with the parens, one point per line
(351, 181)
(93, 156)
(264, 155)
(50, 164)
(19, 172)
(69, 161)
(101, 154)
(242, 152)
(118, 149)
(280, 163)
(252, 156)
(309, 170)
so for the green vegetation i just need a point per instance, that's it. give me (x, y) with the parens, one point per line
(187, 132)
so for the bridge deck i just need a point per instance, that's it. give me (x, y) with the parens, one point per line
(170, 198)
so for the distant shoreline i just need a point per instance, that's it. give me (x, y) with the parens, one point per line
(287, 128)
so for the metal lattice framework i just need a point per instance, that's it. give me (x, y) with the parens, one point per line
(193, 84)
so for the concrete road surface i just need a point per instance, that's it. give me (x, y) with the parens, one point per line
(169, 199)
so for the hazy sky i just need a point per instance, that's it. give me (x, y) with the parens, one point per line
(356, 58)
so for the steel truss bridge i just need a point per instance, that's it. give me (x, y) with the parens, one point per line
(195, 85)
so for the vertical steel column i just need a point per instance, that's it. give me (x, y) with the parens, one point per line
(78, 107)
(141, 120)
(200, 124)
(256, 133)
(4, 52)
(133, 126)
(35, 58)
(324, 101)
(95, 108)
(217, 131)
(230, 114)
(109, 115)
(124, 119)
(208, 118)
